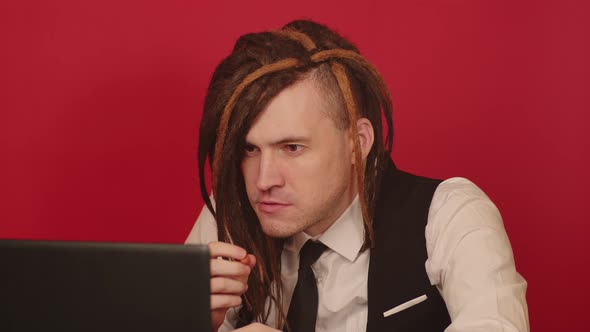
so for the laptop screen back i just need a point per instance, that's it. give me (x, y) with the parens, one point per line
(106, 287)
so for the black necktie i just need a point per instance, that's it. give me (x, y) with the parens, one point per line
(303, 309)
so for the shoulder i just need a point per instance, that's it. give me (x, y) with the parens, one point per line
(458, 208)
(460, 196)
(460, 205)
(204, 229)
(457, 189)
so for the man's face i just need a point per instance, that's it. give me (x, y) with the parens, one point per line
(297, 164)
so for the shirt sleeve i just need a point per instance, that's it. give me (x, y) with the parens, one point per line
(471, 262)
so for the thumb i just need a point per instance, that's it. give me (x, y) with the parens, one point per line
(251, 261)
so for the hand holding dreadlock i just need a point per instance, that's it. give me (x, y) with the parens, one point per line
(229, 278)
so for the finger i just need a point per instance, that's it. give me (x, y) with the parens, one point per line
(249, 260)
(219, 301)
(252, 261)
(245, 260)
(222, 268)
(227, 286)
(227, 250)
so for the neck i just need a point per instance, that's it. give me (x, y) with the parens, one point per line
(322, 226)
(347, 197)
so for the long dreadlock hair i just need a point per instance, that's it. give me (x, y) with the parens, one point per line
(260, 66)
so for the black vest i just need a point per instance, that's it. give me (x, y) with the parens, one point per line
(396, 270)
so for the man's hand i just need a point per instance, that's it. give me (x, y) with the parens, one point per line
(229, 278)
(257, 327)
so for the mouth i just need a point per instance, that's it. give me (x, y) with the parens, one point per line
(271, 207)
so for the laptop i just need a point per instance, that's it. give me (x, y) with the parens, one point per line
(106, 287)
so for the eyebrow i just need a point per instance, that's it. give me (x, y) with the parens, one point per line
(287, 140)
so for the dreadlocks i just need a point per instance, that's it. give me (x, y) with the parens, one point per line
(260, 66)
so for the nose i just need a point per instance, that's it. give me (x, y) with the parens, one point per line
(269, 172)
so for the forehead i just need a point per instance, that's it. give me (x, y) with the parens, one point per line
(297, 111)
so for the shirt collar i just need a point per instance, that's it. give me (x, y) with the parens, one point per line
(345, 236)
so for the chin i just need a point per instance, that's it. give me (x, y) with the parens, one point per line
(279, 228)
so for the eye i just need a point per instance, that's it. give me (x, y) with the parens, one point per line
(250, 149)
(293, 148)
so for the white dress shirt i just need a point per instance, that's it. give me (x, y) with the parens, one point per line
(469, 260)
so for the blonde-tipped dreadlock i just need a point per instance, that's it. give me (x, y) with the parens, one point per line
(260, 66)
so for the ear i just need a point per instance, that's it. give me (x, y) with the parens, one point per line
(366, 137)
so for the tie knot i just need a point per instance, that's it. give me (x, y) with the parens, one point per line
(310, 253)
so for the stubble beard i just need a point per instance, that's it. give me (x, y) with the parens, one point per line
(280, 228)
(287, 226)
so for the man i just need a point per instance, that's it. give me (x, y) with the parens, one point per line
(292, 129)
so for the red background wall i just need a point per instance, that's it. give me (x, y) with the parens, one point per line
(100, 104)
